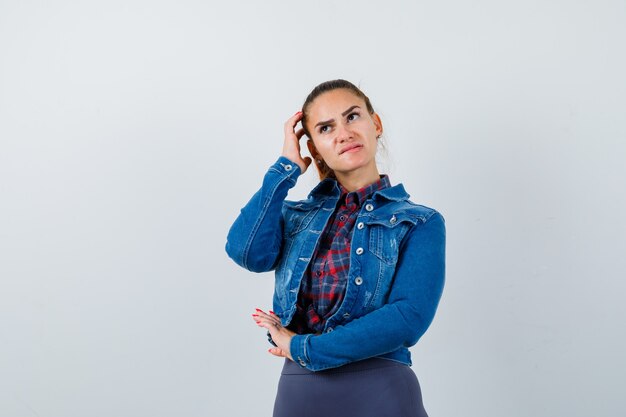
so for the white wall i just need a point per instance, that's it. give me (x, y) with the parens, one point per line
(131, 132)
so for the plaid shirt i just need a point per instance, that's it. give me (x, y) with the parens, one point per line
(324, 283)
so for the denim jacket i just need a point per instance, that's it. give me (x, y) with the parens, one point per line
(396, 274)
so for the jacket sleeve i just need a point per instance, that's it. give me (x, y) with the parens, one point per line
(255, 239)
(413, 299)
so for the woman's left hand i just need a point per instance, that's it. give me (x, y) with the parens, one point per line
(280, 335)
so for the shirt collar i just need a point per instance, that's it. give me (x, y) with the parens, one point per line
(329, 187)
(357, 197)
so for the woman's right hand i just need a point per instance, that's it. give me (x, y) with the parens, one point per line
(291, 147)
(279, 334)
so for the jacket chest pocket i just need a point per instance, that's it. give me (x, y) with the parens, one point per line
(297, 217)
(386, 234)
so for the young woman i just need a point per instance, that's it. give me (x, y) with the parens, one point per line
(359, 267)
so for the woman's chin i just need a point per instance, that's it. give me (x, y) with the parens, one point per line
(351, 167)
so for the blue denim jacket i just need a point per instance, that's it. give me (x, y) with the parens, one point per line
(396, 274)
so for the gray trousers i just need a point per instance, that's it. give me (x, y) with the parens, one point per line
(373, 387)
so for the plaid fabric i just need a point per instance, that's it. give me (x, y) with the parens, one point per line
(324, 283)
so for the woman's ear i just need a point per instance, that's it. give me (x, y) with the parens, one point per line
(378, 123)
(312, 150)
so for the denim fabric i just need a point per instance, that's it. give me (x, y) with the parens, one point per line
(397, 266)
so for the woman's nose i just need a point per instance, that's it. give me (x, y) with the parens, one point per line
(343, 133)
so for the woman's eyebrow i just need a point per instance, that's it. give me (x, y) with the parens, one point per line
(325, 122)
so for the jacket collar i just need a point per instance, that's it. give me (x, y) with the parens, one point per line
(395, 193)
(329, 187)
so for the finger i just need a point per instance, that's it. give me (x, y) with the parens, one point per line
(273, 328)
(297, 116)
(271, 316)
(278, 352)
(291, 123)
(299, 133)
(260, 313)
(263, 316)
(267, 321)
(266, 324)
(293, 120)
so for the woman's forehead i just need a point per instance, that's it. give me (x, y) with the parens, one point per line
(333, 102)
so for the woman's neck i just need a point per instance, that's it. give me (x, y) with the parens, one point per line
(356, 179)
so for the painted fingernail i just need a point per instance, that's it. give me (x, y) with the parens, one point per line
(258, 309)
(272, 312)
(255, 315)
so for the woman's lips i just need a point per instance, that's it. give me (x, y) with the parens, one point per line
(352, 148)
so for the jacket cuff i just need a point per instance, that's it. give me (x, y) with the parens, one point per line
(298, 349)
(269, 339)
(288, 168)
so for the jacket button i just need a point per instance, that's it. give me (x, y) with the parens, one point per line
(393, 219)
(288, 167)
(359, 251)
(358, 280)
(360, 225)
(369, 207)
(330, 329)
(346, 315)
(301, 362)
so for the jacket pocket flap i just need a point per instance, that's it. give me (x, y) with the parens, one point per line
(392, 219)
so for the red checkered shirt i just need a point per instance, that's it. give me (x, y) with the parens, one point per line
(324, 282)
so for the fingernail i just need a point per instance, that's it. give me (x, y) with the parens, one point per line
(272, 312)
(255, 315)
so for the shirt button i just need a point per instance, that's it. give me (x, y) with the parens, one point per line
(359, 251)
(369, 207)
(360, 225)
(288, 167)
(342, 218)
(358, 280)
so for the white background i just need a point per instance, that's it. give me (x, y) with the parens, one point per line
(132, 132)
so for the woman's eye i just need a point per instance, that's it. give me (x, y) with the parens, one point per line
(353, 116)
(324, 129)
